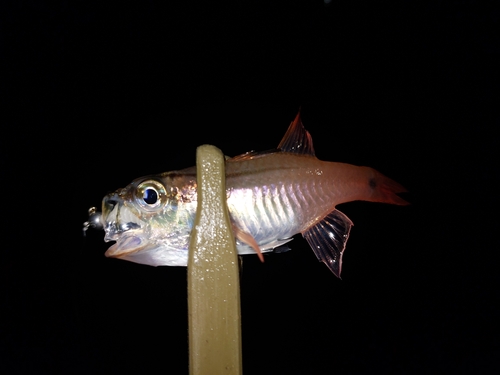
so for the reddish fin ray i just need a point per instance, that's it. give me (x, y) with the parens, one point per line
(385, 190)
(249, 240)
(297, 139)
(328, 239)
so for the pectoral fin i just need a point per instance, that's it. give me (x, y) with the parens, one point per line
(328, 239)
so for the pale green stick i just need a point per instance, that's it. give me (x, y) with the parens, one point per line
(213, 280)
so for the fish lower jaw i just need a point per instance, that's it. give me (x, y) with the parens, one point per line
(135, 249)
(125, 246)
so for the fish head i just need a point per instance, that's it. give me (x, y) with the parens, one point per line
(149, 221)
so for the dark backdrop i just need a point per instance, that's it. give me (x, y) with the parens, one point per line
(96, 94)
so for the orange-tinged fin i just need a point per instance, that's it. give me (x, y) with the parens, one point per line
(251, 155)
(328, 239)
(297, 139)
(247, 239)
(385, 190)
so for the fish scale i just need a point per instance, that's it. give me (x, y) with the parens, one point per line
(311, 196)
(271, 196)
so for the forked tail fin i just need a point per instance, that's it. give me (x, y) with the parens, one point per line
(328, 237)
(385, 190)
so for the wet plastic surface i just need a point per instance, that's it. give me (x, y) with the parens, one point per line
(213, 280)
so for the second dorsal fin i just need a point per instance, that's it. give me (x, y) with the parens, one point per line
(297, 139)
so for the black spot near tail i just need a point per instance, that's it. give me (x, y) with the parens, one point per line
(372, 183)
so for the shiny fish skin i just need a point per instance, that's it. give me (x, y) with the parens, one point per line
(271, 197)
(282, 194)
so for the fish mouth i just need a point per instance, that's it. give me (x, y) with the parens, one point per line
(126, 245)
(134, 248)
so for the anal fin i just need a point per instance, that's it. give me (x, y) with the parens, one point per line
(328, 239)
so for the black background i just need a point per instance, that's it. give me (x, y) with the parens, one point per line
(96, 94)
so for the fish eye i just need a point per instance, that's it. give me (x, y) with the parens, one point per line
(150, 195)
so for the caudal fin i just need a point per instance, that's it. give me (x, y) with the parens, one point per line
(385, 190)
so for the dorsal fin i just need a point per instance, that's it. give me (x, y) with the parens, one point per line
(297, 139)
(251, 155)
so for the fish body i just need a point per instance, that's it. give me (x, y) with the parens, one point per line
(271, 196)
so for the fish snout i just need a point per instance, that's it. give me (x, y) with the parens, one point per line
(115, 229)
(110, 201)
(117, 216)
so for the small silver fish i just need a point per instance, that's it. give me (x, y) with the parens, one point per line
(271, 196)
